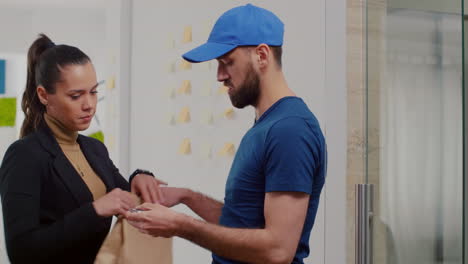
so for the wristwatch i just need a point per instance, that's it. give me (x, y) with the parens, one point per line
(139, 171)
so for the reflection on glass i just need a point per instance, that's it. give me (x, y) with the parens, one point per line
(420, 145)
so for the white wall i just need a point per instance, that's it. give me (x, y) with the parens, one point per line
(81, 27)
(336, 131)
(314, 59)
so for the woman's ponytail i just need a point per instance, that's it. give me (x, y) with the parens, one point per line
(33, 109)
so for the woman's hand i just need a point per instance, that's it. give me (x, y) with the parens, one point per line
(113, 203)
(147, 187)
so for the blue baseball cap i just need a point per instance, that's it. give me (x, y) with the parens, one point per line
(246, 25)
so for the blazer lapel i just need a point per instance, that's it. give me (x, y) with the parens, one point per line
(97, 162)
(65, 170)
(72, 179)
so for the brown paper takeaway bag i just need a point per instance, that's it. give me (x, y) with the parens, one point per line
(126, 245)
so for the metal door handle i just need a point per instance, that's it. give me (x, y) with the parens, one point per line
(364, 223)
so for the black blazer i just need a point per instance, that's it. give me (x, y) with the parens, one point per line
(47, 208)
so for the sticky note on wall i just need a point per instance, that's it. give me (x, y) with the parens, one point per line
(7, 112)
(223, 89)
(111, 83)
(229, 113)
(227, 150)
(98, 135)
(185, 88)
(185, 148)
(2, 76)
(187, 34)
(185, 65)
(184, 115)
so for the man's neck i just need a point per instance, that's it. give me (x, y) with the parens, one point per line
(271, 90)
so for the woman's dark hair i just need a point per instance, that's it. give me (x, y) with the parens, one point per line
(45, 62)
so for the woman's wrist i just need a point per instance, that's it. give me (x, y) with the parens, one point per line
(139, 171)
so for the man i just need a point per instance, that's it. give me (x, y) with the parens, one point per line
(274, 185)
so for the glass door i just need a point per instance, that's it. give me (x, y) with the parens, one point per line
(415, 132)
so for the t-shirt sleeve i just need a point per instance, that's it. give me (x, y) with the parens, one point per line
(292, 156)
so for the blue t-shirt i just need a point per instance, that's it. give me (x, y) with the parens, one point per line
(285, 150)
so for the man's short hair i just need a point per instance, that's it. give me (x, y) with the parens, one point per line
(276, 50)
(277, 53)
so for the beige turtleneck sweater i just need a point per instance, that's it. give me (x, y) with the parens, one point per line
(70, 147)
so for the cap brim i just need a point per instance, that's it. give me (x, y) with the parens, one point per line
(207, 51)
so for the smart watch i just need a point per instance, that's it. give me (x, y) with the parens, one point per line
(139, 171)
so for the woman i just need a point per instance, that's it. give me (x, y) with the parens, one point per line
(59, 189)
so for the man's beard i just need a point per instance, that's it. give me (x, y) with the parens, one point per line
(248, 92)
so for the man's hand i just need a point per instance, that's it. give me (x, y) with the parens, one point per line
(147, 187)
(171, 196)
(154, 219)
